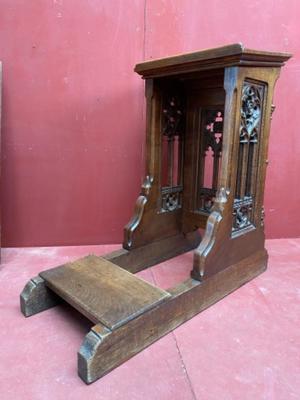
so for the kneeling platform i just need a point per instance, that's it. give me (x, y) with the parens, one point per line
(102, 291)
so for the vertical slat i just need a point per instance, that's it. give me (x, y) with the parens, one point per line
(180, 159)
(239, 171)
(216, 171)
(170, 160)
(252, 169)
(244, 169)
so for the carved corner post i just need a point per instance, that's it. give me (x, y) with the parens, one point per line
(134, 234)
(235, 228)
(158, 211)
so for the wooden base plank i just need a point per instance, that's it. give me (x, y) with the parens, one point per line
(36, 297)
(103, 350)
(155, 252)
(102, 291)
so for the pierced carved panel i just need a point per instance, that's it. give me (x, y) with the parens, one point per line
(206, 199)
(250, 131)
(213, 131)
(251, 112)
(171, 199)
(210, 153)
(242, 214)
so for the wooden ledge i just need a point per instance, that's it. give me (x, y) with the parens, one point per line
(219, 57)
(102, 291)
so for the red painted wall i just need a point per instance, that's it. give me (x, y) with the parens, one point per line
(73, 127)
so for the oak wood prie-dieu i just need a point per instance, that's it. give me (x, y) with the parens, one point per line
(208, 118)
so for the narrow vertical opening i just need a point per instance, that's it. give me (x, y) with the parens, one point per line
(210, 154)
(172, 153)
(250, 172)
(208, 168)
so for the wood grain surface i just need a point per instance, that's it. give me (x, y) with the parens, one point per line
(102, 291)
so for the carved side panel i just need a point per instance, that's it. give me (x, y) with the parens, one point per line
(247, 169)
(158, 208)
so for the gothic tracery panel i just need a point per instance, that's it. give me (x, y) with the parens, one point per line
(209, 160)
(250, 131)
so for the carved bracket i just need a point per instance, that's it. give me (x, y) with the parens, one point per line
(212, 232)
(140, 204)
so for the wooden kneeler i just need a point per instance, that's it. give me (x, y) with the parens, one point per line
(208, 119)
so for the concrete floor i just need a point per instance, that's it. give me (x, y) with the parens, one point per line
(246, 347)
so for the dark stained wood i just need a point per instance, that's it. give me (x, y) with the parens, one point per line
(36, 297)
(102, 291)
(103, 350)
(221, 246)
(226, 56)
(202, 100)
(149, 223)
(215, 102)
(155, 252)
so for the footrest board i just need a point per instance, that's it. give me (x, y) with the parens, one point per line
(102, 291)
